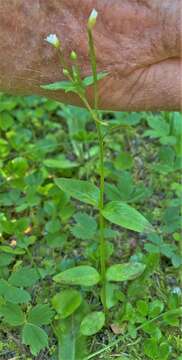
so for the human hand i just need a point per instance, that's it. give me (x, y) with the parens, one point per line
(137, 41)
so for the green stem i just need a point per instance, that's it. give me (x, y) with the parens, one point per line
(101, 203)
(94, 67)
(101, 159)
(101, 218)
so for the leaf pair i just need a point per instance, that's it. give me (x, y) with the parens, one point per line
(69, 86)
(68, 301)
(117, 212)
(84, 275)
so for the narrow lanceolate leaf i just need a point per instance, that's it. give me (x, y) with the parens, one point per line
(66, 302)
(10, 250)
(122, 214)
(92, 323)
(81, 190)
(89, 80)
(81, 275)
(12, 313)
(60, 163)
(34, 337)
(60, 85)
(124, 272)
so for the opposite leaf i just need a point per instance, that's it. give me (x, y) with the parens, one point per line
(60, 85)
(89, 80)
(122, 214)
(81, 190)
(125, 272)
(81, 275)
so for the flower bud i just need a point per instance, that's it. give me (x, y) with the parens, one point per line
(92, 19)
(53, 40)
(73, 56)
(65, 72)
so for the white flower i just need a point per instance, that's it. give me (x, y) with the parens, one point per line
(92, 19)
(53, 40)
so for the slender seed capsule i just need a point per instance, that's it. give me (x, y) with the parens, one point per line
(92, 19)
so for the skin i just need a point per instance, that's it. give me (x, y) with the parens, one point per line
(139, 42)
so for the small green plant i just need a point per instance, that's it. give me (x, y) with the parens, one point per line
(117, 212)
(51, 258)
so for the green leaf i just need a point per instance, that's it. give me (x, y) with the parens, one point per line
(85, 228)
(81, 190)
(72, 344)
(12, 313)
(122, 214)
(159, 125)
(89, 80)
(111, 298)
(81, 275)
(10, 250)
(13, 294)
(6, 121)
(125, 272)
(60, 163)
(25, 277)
(164, 350)
(153, 330)
(123, 161)
(151, 349)
(155, 308)
(18, 166)
(155, 351)
(41, 314)
(92, 323)
(142, 307)
(5, 260)
(34, 337)
(53, 226)
(66, 302)
(60, 85)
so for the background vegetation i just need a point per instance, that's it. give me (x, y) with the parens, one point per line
(43, 231)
